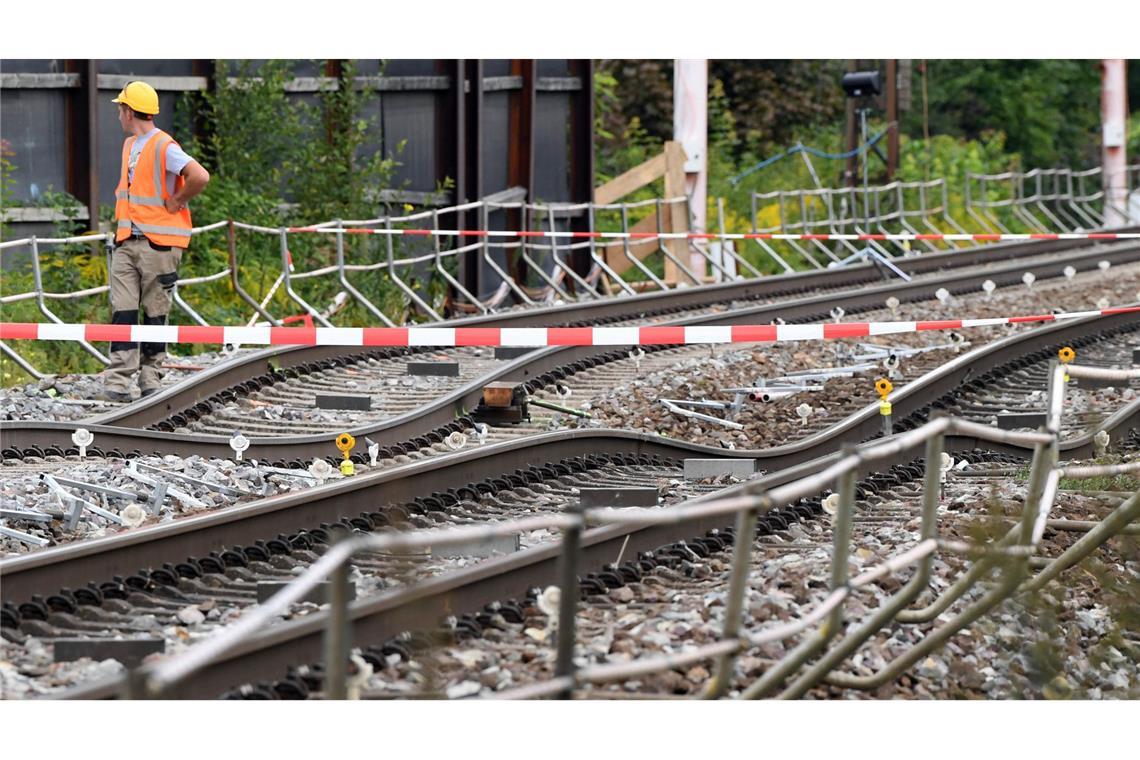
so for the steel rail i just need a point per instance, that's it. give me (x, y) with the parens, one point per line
(111, 433)
(408, 480)
(375, 619)
(153, 409)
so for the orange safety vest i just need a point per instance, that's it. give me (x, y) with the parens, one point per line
(142, 200)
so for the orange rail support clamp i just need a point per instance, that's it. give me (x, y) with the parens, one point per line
(345, 443)
(884, 387)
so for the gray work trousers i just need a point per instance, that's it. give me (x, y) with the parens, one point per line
(141, 276)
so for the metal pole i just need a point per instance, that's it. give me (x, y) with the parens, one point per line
(890, 608)
(863, 130)
(337, 635)
(738, 585)
(568, 600)
(37, 278)
(231, 242)
(817, 640)
(1088, 543)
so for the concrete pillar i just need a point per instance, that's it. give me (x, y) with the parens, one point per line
(1114, 120)
(690, 128)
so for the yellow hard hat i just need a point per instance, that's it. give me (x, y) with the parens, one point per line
(140, 97)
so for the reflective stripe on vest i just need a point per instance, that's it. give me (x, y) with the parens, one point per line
(125, 224)
(142, 200)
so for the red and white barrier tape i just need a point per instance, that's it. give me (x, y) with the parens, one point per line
(536, 337)
(573, 235)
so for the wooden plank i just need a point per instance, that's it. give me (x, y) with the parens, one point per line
(637, 177)
(677, 214)
(612, 253)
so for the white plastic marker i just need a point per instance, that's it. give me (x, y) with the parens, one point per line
(804, 412)
(321, 470)
(82, 438)
(238, 443)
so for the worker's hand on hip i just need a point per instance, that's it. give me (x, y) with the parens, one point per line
(173, 206)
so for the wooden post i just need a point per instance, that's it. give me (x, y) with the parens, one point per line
(670, 164)
(676, 214)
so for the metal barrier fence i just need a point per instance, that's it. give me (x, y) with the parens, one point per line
(541, 265)
(1037, 201)
(1010, 555)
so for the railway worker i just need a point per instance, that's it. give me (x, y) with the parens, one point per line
(152, 229)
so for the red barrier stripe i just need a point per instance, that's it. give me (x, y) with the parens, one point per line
(120, 333)
(198, 334)
(385, 336)
(939, 324)
(753, 333)
(1121, 310)
(1038, 236)
(986, 237)
(19, 331)
(293, 336)
(847, 330)
(1037, 318)
(654, 336)
(929, 236)
(1102, 236)
(570, 336)
(473, 233)
(478, 336)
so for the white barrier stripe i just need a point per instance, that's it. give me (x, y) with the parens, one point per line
(515, 336)
(248, 335)
(617, 336)
(340, 336)
(523, 336)
(800, 332)
(431, 336)
(985, 322)
(890, 328)
(154, 333)
(52, 331)
(705, 334)
(1076, 314)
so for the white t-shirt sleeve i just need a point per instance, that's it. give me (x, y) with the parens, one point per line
(176, 159)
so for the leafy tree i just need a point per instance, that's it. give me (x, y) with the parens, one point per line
(1048, 109)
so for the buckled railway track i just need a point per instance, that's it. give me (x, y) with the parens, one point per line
(181, 554)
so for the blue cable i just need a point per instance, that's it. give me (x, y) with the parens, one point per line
(801, 148)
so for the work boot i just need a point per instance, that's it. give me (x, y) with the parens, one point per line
(119, 398)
